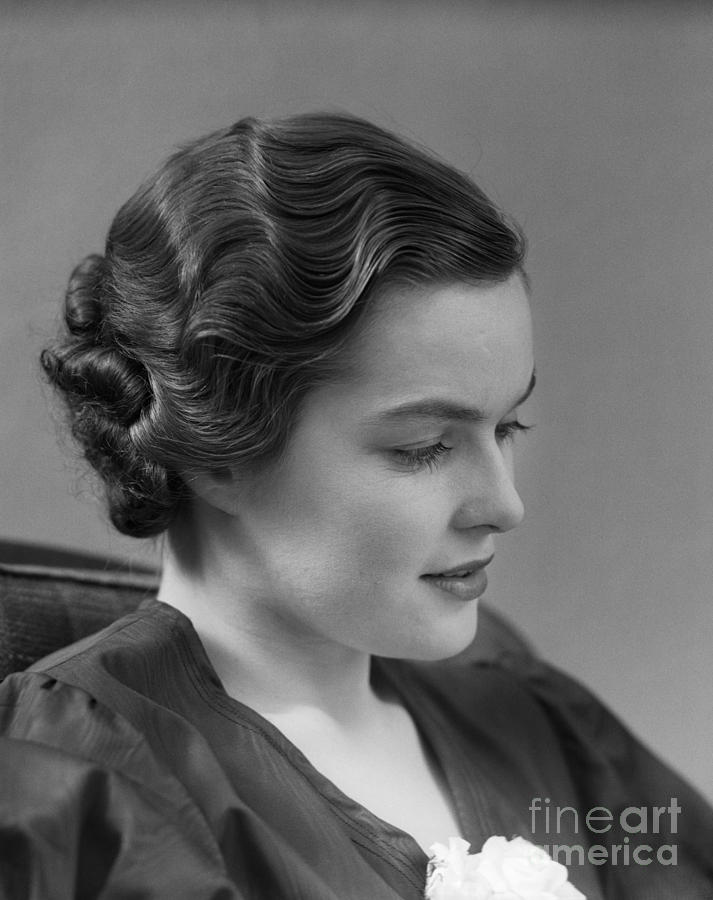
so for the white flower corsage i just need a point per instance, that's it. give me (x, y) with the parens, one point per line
(503, 870)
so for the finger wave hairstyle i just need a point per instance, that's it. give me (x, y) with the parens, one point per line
(230, 283)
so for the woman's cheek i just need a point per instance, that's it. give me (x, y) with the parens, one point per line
(398, 533)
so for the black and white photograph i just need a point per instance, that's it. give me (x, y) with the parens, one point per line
(356, 509)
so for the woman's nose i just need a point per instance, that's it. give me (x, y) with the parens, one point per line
(491, 499)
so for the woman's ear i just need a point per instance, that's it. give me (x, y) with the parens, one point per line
(218, 489)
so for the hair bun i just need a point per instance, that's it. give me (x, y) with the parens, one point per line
(110, 382)
(82, 301)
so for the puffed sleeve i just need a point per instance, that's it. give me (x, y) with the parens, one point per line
(85, 810)
(651, 806)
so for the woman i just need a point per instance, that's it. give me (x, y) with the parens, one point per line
(302, 358)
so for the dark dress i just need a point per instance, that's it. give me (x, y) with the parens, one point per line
(126, 771)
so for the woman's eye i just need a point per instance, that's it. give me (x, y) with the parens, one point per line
(506, 431)
(422, 457)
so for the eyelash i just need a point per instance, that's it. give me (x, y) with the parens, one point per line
(422, 457)
(429, 457)
(508, 430)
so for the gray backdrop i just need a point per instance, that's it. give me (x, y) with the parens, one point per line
(591, 122)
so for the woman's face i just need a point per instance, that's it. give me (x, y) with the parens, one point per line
(394, 476)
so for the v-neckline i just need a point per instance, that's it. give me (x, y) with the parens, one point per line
(382, 834)
(474, 819)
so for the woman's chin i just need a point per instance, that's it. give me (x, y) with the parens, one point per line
(444, 639)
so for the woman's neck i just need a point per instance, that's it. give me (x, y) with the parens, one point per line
(318, 694)
(266, 662)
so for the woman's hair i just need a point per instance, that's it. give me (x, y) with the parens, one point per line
(230, 284)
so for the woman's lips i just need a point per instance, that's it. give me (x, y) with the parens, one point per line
(466, 582)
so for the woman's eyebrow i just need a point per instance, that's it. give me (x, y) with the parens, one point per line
(443, 409)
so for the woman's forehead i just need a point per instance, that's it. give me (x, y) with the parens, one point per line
(428, 333)
(459, 344)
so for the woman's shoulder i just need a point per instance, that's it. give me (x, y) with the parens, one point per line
(93, 703)
(93, 700)
(146, 631)
(512, 677)
(143, 658)
(84, 799)
(519, 687)
(552, 724)
(38, 710)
